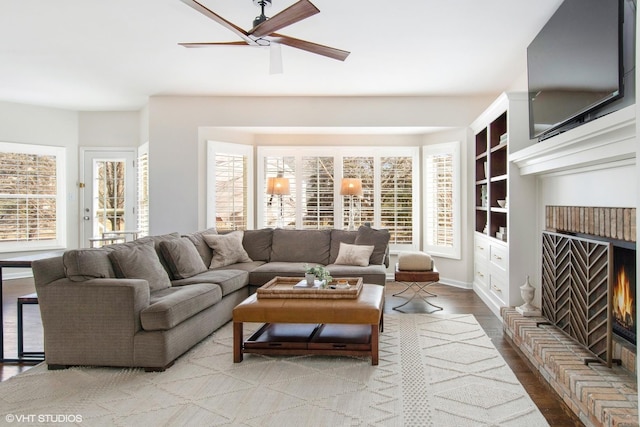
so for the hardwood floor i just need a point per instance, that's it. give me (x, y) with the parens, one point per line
(453, 300)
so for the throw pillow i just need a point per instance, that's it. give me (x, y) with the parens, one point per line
(85, 264)
(227, 249)
(182, 257)
(354, 254)
(140, 261)
(378, 238)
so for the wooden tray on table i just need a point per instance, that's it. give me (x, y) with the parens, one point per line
(284, 287)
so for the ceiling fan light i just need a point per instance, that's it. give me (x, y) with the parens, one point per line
(275, 59)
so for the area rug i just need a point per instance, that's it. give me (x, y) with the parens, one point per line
(435, 370)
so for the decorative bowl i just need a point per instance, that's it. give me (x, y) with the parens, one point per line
(502, 203)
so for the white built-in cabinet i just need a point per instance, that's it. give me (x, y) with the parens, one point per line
(505, 241)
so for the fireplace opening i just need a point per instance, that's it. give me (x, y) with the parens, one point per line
(624, 293)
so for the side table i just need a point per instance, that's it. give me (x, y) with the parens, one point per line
(18, 262)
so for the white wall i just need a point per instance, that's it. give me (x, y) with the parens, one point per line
(26, 124)
(109, 129)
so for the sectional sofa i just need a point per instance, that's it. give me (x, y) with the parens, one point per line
(144, 303)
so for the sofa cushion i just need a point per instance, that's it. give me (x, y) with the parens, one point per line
(261, 275)
(203, 249)
(257, 243)
(229, 280)
(85, 264)
(171, 306)
(310, 246)
(354, 254)
(182, 257)
(227, 249)
(140, 261)
(378, 238)
(373, 273)
(337, 237)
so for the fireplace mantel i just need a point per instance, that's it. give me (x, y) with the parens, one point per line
(606, 140)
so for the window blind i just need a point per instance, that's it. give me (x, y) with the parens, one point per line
(30, 196)
(143, 190)
(231, 192)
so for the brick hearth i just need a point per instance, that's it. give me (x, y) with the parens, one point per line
(598, 395)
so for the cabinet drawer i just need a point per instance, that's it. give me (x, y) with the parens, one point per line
(497, 286)
(481, 248)
(498, 256)
(481, 274)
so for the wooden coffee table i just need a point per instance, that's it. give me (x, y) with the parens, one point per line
(295, 326)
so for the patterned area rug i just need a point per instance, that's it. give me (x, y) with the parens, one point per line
(434, 371)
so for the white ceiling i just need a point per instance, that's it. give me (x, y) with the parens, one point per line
(114, 54)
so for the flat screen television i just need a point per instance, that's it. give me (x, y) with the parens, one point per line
(581, 65)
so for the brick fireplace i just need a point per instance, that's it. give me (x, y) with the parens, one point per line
(609, 274)
(574, 346)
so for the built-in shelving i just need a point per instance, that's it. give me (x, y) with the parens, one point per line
(504, 238)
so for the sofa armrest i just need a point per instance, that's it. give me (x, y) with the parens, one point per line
(91, 322)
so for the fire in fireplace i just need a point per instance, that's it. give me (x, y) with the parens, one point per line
(624, 293)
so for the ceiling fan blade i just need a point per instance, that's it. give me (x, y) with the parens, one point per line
(294, 13)
(211, 44)
(316, 48)
(219, 19)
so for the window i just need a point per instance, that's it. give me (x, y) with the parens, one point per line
(441, 198)
(143, 189)
(32, 197)
(230, 169)
(389, 182)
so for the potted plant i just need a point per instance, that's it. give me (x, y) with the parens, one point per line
(317, 273)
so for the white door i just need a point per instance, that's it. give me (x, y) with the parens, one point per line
(109, 199)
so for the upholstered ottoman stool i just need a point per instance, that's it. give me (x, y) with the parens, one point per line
(417, 271)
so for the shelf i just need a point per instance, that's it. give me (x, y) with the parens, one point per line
(481, 156)
(499, 147)
(498, 178)
(482, 208)
(498, 210)
(481, 182)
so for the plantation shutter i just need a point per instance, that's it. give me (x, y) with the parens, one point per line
(31, 196)
(231, 192)
(275, 205)
(441, 210)
(317, 192)
(143, 190)
(396, 198)
(362, 168)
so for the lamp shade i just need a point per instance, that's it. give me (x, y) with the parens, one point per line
(278, 186)
(351, 187)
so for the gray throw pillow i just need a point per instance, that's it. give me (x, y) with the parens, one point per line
(140, 261)
(182, 257)
(354, 254)
(378, 238)
(85, 264)
(227, 249)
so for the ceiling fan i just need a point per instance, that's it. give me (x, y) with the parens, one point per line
(264, 29)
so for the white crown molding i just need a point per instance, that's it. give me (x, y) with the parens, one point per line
(608, 139)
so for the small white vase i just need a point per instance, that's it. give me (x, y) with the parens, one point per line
(311, 279)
